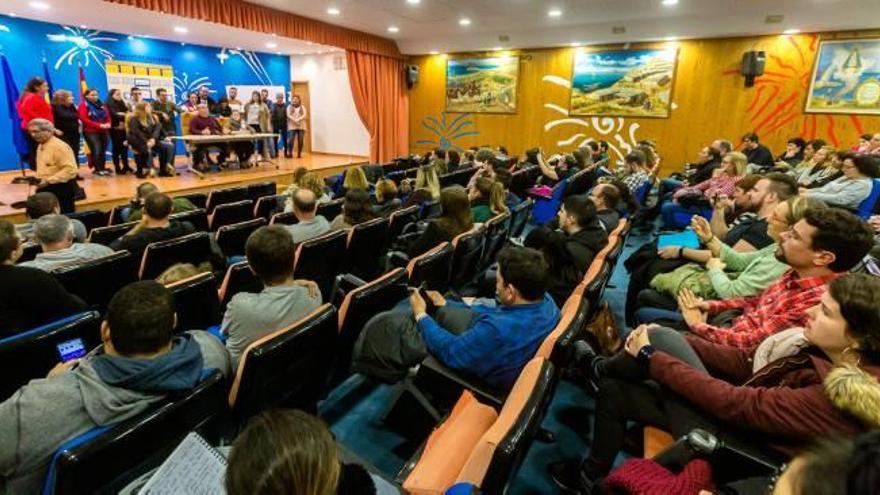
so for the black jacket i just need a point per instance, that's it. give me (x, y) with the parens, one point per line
(569, 256)
(760, 156)
(66, 120)
(30, 297)
(116, 107)
(703, 172)
(139, 134)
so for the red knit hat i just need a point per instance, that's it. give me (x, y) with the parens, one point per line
(646, 477)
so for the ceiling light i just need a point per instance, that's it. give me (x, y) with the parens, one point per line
(333, 11)
(82, 26)
(393, 29)
(434, 52)
(273, 35)
(12, 14)
(670, 38)
(271, 45)
(277, 53)
(39, 5)
(791, 31)
(669, 3)
(464, 22)
(554, 13)
(180, 29)
(238, 48)
(575, 44)
(413, 2)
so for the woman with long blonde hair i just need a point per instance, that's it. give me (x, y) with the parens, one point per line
(427, 178)
(487, 199)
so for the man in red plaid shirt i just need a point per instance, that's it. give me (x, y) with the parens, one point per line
(824, 244)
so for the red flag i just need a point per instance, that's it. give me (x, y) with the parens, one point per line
(82, 83)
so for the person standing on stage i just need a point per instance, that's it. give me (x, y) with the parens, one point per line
(256, 115)
(165, 110)
(296, 123)
(33, 105)
(234, 102)
(66, 120)
(134, 98)
(96, 122)
(118, 110)
(278, 114)
(204, 95)
(56, 166)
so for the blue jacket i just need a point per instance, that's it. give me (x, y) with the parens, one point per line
(499, 343)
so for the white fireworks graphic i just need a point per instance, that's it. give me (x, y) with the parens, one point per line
(183, 86)
(251, 59)
(84, 48)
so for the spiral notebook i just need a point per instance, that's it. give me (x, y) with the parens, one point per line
(194, 468)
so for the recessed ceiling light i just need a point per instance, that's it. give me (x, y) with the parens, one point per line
(39, 5)
(670, 38)
(12, 14)
(182, 44)
(669, 2)
(238, 48)
(82, 26)
(273, 35)
(180, 29)
(497, 48)
(575, 44)
(464, 22)
(791, 31)
(554, 13)
(271, 45)
(413, 2)
(434, 52)
(333, 11)
(393, 29)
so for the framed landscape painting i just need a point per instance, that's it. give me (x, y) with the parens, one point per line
(623, 83)
(846, 78)
(482, 85)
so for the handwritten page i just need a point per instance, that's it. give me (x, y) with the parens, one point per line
(194, 468)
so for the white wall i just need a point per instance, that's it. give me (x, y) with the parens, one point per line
(335, 124)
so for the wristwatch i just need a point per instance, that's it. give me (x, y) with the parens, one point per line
(645, 354)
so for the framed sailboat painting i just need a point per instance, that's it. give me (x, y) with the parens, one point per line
(846, 78)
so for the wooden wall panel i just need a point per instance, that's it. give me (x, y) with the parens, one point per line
(709, 101)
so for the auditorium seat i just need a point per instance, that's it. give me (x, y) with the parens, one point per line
(366, 247)
(90, 218)
(431, 268)
(286, 218)
(523, 179)
(198, 218)
(31, 354)
(197, 302)
(223, 196)
(97, 280)
(232, 238)
(476, 445)
(238, 278)
(579, 183)
(159, 256)
(199, 200)
(545, 209)
(106, 459)
(266, 206)
(261, 189)
(497, 231)
(519, 217)
(467, 249)
(866, 207)
(115, 215)
(29, 252)
(397, 176)
(330, 209)
(399, 219)
(430, 209)
(230, 213)
(106, 235)
(320, 260)
(289, 367)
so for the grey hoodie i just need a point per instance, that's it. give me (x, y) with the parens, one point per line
(46, 413)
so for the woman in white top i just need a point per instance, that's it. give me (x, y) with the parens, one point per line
(850, 190)
(296, 123)
(256, 115)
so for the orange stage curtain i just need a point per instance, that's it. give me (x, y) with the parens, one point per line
(381, 99)
(238, 14)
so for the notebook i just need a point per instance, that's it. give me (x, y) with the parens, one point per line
(194, 468)
(686, 238)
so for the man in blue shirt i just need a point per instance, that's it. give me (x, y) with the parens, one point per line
(498, 340)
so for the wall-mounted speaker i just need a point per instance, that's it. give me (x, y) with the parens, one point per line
(752, 66)
(412, 75)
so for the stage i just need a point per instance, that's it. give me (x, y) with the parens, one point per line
(105, 192)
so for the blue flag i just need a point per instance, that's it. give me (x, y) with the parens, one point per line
(48, 79)
(18, 138)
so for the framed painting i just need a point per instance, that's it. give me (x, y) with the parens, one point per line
(846, 78)
(623, 83)
(482, 84)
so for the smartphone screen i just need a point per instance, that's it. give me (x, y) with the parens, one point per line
(71, 349)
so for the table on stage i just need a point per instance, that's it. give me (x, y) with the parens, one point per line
(196, 139)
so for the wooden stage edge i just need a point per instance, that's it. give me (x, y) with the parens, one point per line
(103, 193)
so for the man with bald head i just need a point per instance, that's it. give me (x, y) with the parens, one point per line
(204, 124)
(309, 224)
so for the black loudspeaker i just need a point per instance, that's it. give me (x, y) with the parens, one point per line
(752, 66)
(412, 75)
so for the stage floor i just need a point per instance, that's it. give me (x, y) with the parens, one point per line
(106, 192)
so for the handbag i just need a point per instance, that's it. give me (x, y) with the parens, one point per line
(603, 332)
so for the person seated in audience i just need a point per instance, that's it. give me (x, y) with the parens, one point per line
(309, 224)
(722, 146)
(283, 301)
(484, 161)
(570, 250)
(628, 205)
(146, 136)
(557, 168)
(708, 159)
(849, 190)
(505, 177)
(191, 105)
(634, 175)
(154, 226)
(727, 212)
(827, 385)
(54, 233)
(284, 452)
(793, 155)
(754, 270)
(40, 204)
(428, 179)
(29, 297)
(354, 178)
(181, 271)
(874, 145)
(386, 198)
(810, 149)
(455, 218)
(529, 158)
(439, 165)
(356, 209)
(135, 210)
(140, 363)
(467, 159)
(863, 145)
(697, 199)
(756, 153)
(487, 199)
(488, 341)
(244, 150)
(453, 161)
(820, 170)
(606, 198)
(205, 125)
(823, 244)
